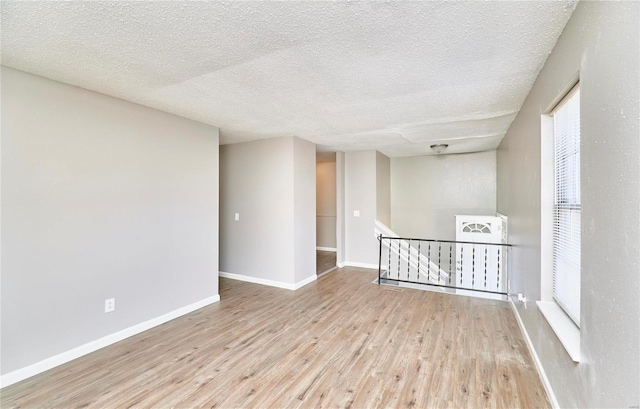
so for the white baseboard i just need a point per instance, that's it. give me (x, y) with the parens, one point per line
(340, 265)
(64, 357)
(543, 375)
(270, 283)
(304, 282)
(327, 249)
(361, 265)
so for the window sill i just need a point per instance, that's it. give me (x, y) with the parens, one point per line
(566, 331)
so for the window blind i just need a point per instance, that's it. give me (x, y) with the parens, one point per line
(566, 209)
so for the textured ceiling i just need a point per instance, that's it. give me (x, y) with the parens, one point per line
(392, 76)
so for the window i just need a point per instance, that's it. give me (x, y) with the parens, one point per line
(566, 205)
(560, 219)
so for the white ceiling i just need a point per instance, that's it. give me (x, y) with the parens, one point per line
(391, 76)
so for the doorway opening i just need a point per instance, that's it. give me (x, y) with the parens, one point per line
(326, 212)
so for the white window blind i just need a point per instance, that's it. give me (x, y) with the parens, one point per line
(566, 208)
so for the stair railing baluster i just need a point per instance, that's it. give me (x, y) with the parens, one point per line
(380, 258)
(429, 263)
(399, 252)
(498, 271)
(409, 260)
(461, 262)
(450, 258)
(418, 273)
(439, 254)
(473, 266)
(485, 266)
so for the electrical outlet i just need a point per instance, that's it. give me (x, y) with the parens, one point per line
(356, 213)
(522, 297)
(109, 305)
(237, 216)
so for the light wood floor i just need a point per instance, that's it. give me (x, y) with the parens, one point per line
(325, 260)
(338, 342)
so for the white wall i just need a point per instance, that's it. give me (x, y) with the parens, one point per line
(341, 213)
(601, 44)
(101, 198)
(304, 191)
(326, 204)
(256, 181)
(265, 181)
(361, 246)
(383, 188)
(366, 189)
(428, 191)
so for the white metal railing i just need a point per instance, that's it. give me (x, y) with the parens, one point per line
(409, 258)
(461, 265)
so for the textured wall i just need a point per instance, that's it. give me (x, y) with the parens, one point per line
(428, 191)
(101, 198)
(601, 43)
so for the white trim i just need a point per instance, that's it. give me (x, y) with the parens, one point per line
(563, 326)
(340, 265)
(547, 192)
(360, 265)
(64, 357)
(327, 249)
(304, 282)
(270, 283)
(543, 375)
(256, 280)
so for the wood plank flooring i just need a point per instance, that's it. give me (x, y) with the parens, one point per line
(338, 342)
(325, 260)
